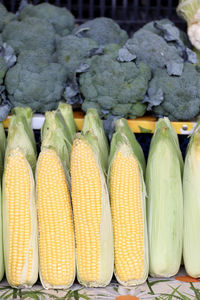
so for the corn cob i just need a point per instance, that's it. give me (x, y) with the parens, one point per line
(94, 124)
(165, 202)
(56, 235)
(128, 207)
(92, 217)
(19, 210)
(191, 193)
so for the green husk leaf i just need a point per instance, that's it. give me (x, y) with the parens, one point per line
(27, 113)
(121, 125)
(67, 114)
(54, 136)
(187, 9)
(2, 147)
(94, 124)
(165, 126)
(165, 202)
(191, 192)
(20, 135)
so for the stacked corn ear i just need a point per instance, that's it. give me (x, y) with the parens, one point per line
(94, 124)
(19, 208)
(92, 215)
(191, 193)
(2, 153)
(165, 201)
(128, 207)
(55, 223)
(67, 114)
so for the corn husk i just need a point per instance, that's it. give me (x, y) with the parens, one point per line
(94, 124)
(67, 114)
(191, 193)
(165, 202)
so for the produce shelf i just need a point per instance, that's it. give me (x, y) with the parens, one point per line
(139, 125)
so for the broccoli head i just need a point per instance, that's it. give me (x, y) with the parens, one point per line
(30, 34)
(61, 19)
(35, 81)
(72, 51)
(177, 97)
(103, 30)
(5, 16)
(160, 44)
(114, 88)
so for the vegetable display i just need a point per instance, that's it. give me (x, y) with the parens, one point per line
(80, 207)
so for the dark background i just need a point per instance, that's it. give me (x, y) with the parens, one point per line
(130, 14)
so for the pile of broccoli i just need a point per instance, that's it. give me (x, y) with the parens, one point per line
(46, 58)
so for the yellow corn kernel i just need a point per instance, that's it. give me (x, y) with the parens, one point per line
(18, 190)
(127, 215)
(86, 199)
(56, 236)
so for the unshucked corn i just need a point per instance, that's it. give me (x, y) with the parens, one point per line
(2, 153)
(19, 209)
(56, 235)
(91, 209)
(191, 193)
(165, 201)
(128, 207)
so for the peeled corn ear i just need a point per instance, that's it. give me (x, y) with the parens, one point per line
(191, 193)
(19, 209)
(94, 124)
(56, 235)
(128, 207)
(165, 202)
(92, 216)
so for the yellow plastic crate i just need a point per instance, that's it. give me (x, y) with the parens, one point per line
(144, 124)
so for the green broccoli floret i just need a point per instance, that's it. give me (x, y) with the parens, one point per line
(72, 51)
(35, 81)
(153, 50)
(114, 88)
(103, 30)
(5, 16)
(61, 18)
(177, 97)
(30, 34)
